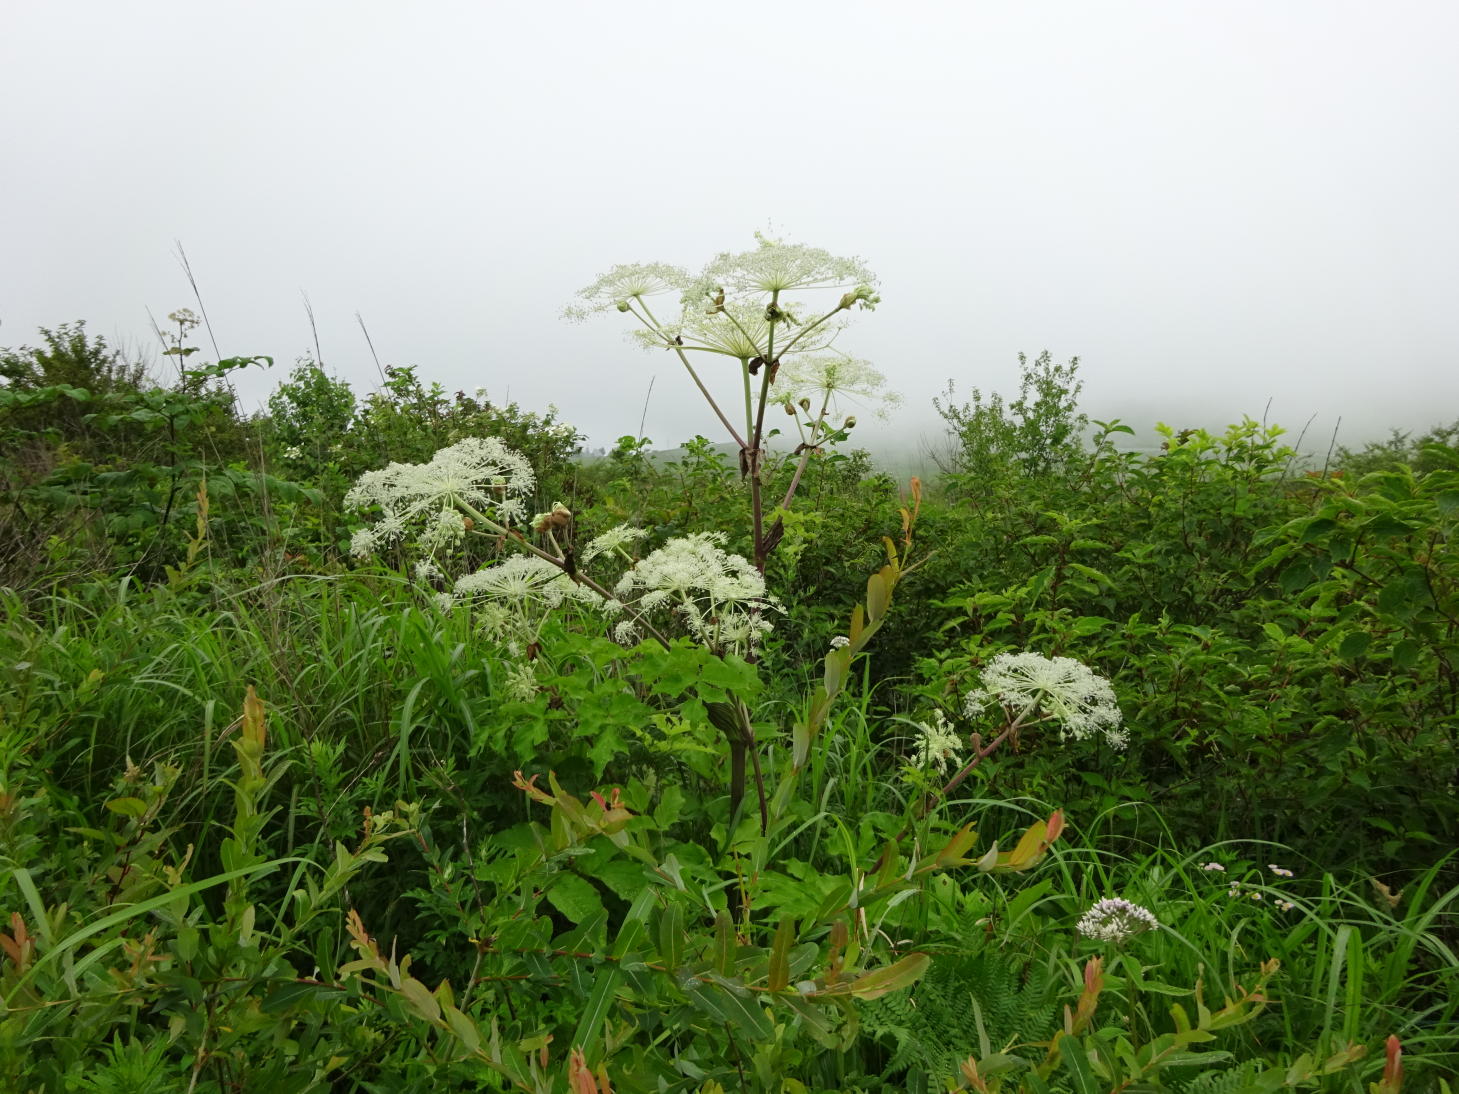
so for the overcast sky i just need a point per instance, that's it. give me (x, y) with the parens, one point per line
(1212, 205)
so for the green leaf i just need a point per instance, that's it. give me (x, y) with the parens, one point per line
(464, 1029)
(294, 992)
(134, 911)
(879, 982)
(878, 596)
(779, 974)
(1076, 1061)
(575, 897)
(1406, 653)
(725, 1004)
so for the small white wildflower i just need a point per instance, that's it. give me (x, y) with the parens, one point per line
(294, 452)
(426, 571)
(1284, 905)
(1278, 870)
(614, 538)
(479, 392)
(1208, 866)
(1062, 688)
(444, 601)
(1254, 895)
(937, 744)
(1115, 920)
(840, 642)
(625, 633)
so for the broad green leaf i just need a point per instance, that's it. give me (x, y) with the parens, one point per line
(575, 897)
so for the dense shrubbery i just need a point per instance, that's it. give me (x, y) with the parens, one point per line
(714, 859)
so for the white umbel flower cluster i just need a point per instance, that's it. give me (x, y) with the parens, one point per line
(719, 596)
(479, 472)
(775, 302)
(1115, 920)
(1063, 689)
(524, 582)
(829, 377)
(615, 289)
(777, 266)
(734, 329)
(614, 539)
(937, 744)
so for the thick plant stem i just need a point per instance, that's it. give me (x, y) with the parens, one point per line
(757, 502)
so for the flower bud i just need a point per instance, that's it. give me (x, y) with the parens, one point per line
(623, 305)
(862, 295)
(789, 407)
(850, 422)
(805, 404)
(559, 517)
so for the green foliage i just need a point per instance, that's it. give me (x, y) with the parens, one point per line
(1287, 647)
(1034, 435)
(1400, 449)
(591, 891)
(108, 460)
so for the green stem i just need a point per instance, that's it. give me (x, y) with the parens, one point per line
(653, 325)
(757, 504)
(805, 455)
(745, 373)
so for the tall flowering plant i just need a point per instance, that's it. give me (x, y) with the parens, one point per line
(771, 315)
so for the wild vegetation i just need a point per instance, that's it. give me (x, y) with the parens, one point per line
(384, 743)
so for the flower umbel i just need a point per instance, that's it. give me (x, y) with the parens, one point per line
(614, 539)
(524, 582)
(937, 745)
(480, 473)
(776, 266)
(1115, 920)
(825, 378)
(720, 596)
(1064, 690)
(625, 283)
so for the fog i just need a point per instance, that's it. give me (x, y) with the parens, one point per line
(1229, 209)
